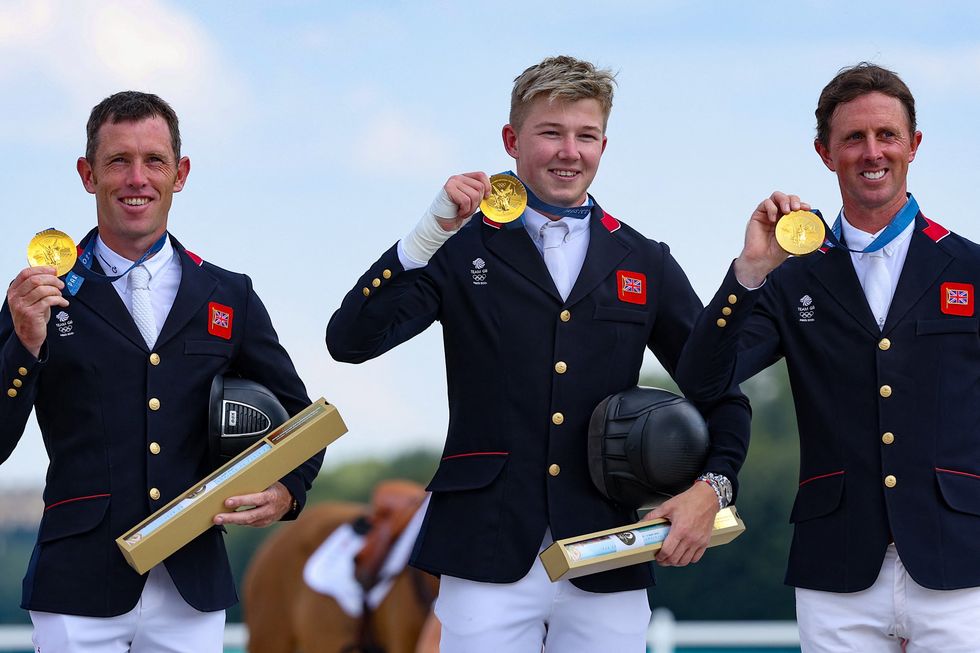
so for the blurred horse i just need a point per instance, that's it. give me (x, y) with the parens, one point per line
(285, 615)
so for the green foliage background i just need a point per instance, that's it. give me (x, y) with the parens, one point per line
(742, 580)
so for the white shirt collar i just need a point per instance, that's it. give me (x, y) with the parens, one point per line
(533, 221)
(109, 259)
(858, 240)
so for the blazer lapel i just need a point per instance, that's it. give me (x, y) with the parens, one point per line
(196, 285)
(604, 253)
(835, 272)
(106, 303)
(513, 246)
(923, 265)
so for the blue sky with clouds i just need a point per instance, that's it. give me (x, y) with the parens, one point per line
(319, 131)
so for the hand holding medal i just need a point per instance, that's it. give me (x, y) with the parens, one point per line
(780, 225)
(35, 292)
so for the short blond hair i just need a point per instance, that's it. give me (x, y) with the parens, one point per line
(565, 79)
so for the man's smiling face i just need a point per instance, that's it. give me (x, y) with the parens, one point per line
(557, 148)
(133, 177)
(870, 147)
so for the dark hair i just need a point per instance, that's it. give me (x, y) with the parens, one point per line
(855, 81)
(129, 106)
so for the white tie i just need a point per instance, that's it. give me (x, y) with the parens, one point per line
(878, 286)
(553, 236)
(139, 283)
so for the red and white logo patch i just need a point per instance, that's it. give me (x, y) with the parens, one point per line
(219, 320)
(631, 287)
(956, 299)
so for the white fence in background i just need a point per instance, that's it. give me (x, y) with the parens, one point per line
(665, 635)
(18, 638)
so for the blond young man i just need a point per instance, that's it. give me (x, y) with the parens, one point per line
(538, 329)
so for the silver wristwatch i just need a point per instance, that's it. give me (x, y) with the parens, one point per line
(721, 485)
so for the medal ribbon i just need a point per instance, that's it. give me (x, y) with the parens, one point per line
(898, 224)
(73, 281)
(541, 206)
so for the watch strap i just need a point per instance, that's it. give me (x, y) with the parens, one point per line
(721, 485)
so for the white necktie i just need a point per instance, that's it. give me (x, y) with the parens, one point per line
(878, 286)
(553, 236)
(139, 283)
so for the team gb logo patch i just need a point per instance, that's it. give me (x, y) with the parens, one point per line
(64, 324)
(479, 272)
(807, 309)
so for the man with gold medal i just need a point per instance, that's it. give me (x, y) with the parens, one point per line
(116, 353)
(546, 309)
(880, 334)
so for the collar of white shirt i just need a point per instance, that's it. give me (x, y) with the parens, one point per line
(858, 240)
(533, 221)
(108, 259)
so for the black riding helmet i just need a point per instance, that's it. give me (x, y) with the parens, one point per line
(240, 412)
(645, 445)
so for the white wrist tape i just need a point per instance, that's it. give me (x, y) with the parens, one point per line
(427, 236)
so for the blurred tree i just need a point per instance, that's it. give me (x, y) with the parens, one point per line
(16, 545)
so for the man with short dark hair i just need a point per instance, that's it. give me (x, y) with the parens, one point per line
(119, 378)
(538, 329)
(880, 335)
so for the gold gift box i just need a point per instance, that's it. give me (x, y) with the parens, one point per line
(627, 545)
(266, 461)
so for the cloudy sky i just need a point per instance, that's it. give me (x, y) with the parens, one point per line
(319, 131)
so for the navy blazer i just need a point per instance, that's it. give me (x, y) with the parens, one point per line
(525, 371)
(91, 391)
(888, 418)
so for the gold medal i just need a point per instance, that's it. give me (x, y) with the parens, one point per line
(52, 248)
(800, 232)
(507, 200)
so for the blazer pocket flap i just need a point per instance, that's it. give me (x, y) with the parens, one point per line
(960, 490)
(951, 325)
(620, 314)
(817, 497)
(470, 471)
(208, 348)
(72, 517)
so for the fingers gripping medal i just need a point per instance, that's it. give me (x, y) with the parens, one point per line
(53, 248)
(507, 200)
(800, 232)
